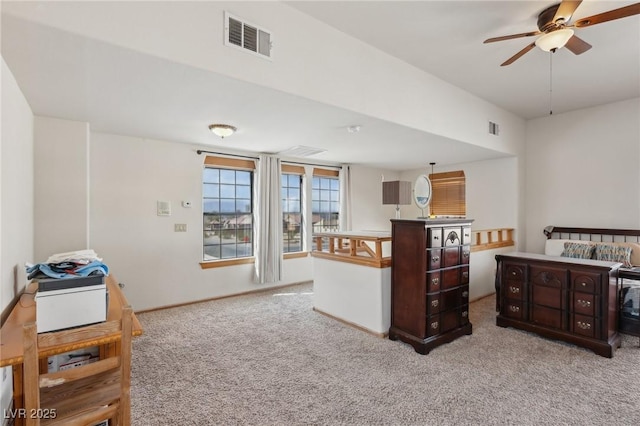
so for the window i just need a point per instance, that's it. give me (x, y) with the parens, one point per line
(448, 197)
(291, 188)
(325, 200)
(227, 200)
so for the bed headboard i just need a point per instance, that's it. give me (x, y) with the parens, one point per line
(598, 235)
(621, 239)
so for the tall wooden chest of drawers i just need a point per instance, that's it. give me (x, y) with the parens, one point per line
(573, 300)
(430, 281)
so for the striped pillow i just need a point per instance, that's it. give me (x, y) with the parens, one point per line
(578, 250)
(613, 253)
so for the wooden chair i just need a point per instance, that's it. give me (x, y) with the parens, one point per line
(83, 395)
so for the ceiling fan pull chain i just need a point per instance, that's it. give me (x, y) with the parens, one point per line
(551, 82)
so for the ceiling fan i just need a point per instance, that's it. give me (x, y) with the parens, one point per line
(555, 31)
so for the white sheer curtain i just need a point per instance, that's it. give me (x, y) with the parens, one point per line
(345, 198)
(268, 245)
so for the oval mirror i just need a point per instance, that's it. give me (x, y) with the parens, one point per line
(422, 191)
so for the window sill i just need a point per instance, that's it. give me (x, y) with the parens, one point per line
(227, 262)
(296, 255)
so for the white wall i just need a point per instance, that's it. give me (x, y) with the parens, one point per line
(16, 201)
(366, 199)
(158, 266)
(17, 187)
(61, 190)
(582, 169)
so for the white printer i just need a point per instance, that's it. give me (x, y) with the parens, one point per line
(70, 302)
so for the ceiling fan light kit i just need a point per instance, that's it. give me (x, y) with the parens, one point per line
(554, 40)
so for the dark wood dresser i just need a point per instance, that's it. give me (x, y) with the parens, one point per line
(430, 281)
(573, 300)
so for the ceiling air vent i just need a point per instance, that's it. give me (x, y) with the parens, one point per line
(301, 151)
(248, 37)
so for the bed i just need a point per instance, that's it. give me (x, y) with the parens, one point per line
(627, 250)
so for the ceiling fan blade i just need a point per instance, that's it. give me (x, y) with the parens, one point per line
(518, 55)
(577, 45)
(566, 9)
(509, 37)
(623, 12)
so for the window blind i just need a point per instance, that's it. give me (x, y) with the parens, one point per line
(231, 163)
(448, 197)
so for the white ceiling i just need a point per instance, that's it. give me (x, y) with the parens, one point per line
(445, 38)
(124, 92)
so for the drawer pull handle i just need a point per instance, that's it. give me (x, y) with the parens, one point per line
(584, 303)
(435, 258)
(435, 281)
(465, 294)
(435, 237)
(465, 254)
(583, 284)
(584, 325)
(434, 325)
(514, 290)
(465, 274)
(465, 314)
(434, 303)
(514, 308)
(514, 273)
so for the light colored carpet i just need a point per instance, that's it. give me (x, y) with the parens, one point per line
(269, 359)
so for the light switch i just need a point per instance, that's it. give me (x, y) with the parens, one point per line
(163, 208)
(180, 227)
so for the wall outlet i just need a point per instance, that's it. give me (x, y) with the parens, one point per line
(180, 227)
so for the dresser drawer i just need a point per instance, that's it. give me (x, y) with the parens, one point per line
(464, 315)
(434, 259)
(547, 296)
(435, 237)
(464, 275)
(433, 325)
(550, 277)
(514, 290)
(450, 320)
(464, 294)
(452, 237)
(586, 326)
(581, 281)
(434, 303)
(433, 281)
(585, 304)
(514, 309)
(451, 256)
(450, 299)
(514, 272)
(451, 278)
(466, 235)
(465, 256)
(548, 317)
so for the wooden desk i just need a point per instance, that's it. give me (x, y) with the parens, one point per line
(11, 344)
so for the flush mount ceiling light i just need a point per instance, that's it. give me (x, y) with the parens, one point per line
(222, 130)
(554, 40)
